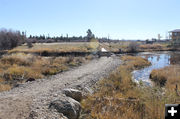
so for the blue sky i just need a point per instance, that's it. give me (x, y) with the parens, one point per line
(121, 19)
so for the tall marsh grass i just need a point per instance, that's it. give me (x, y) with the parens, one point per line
(168, 77)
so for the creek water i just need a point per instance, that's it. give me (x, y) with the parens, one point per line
(158, 60)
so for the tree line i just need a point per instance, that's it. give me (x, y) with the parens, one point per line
(48, 39)
(10, 39)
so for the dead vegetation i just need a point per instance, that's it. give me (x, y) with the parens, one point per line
(119, 97)
(168, 77)
(132, 47)
(18, 67)
(154, 47)
(122, 46)
(116, 96)
(52, 48)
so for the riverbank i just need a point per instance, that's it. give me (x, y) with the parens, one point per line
(167, 77)
(86, 48)
(119, 97)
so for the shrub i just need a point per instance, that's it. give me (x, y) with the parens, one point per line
(54, 69)
(158, 77)
(10, 39)
(89, 57)
(136, 62)
(18, 58)
(29, 44)
(133, 47)
(167, 76)
(20, 72)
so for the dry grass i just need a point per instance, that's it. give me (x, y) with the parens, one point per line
(53, 47)
(134, 62)
(19, 59)
(123, 46)
(4, 87)
(168, 76)
(18, 67)
(153, 47)
(116, 46)
(118, 97)
(21, 72)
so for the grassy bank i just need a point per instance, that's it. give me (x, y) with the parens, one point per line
(119, 97)
(18, 67)
(168, 77)
(56, 47)
(131, 47)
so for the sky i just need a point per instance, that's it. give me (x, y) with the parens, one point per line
(120, 19)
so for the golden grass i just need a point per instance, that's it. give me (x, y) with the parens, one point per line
(4, 87)
(87, 47)
(118, 97)
(168, 77)
(53, 47)
(135, 62)
(18, 67)
(21, 72)
(1, 80)
(153, 47)
(19, 59)
(124, 46)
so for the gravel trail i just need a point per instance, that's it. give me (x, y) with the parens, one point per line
(35, 97)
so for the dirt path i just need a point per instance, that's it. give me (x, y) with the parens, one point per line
(36, 96)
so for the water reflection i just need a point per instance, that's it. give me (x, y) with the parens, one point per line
(158, 60)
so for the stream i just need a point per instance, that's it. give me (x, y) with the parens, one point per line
(158, 60)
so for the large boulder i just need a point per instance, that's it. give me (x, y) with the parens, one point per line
(68, 107)
(73, 93)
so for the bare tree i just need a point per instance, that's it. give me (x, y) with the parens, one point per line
(10, 39)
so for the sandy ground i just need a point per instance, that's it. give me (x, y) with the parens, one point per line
(36, 96)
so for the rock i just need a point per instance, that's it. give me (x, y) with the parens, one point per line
(68, 107)
(30, 79)
(88, 90)
(73, 93)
